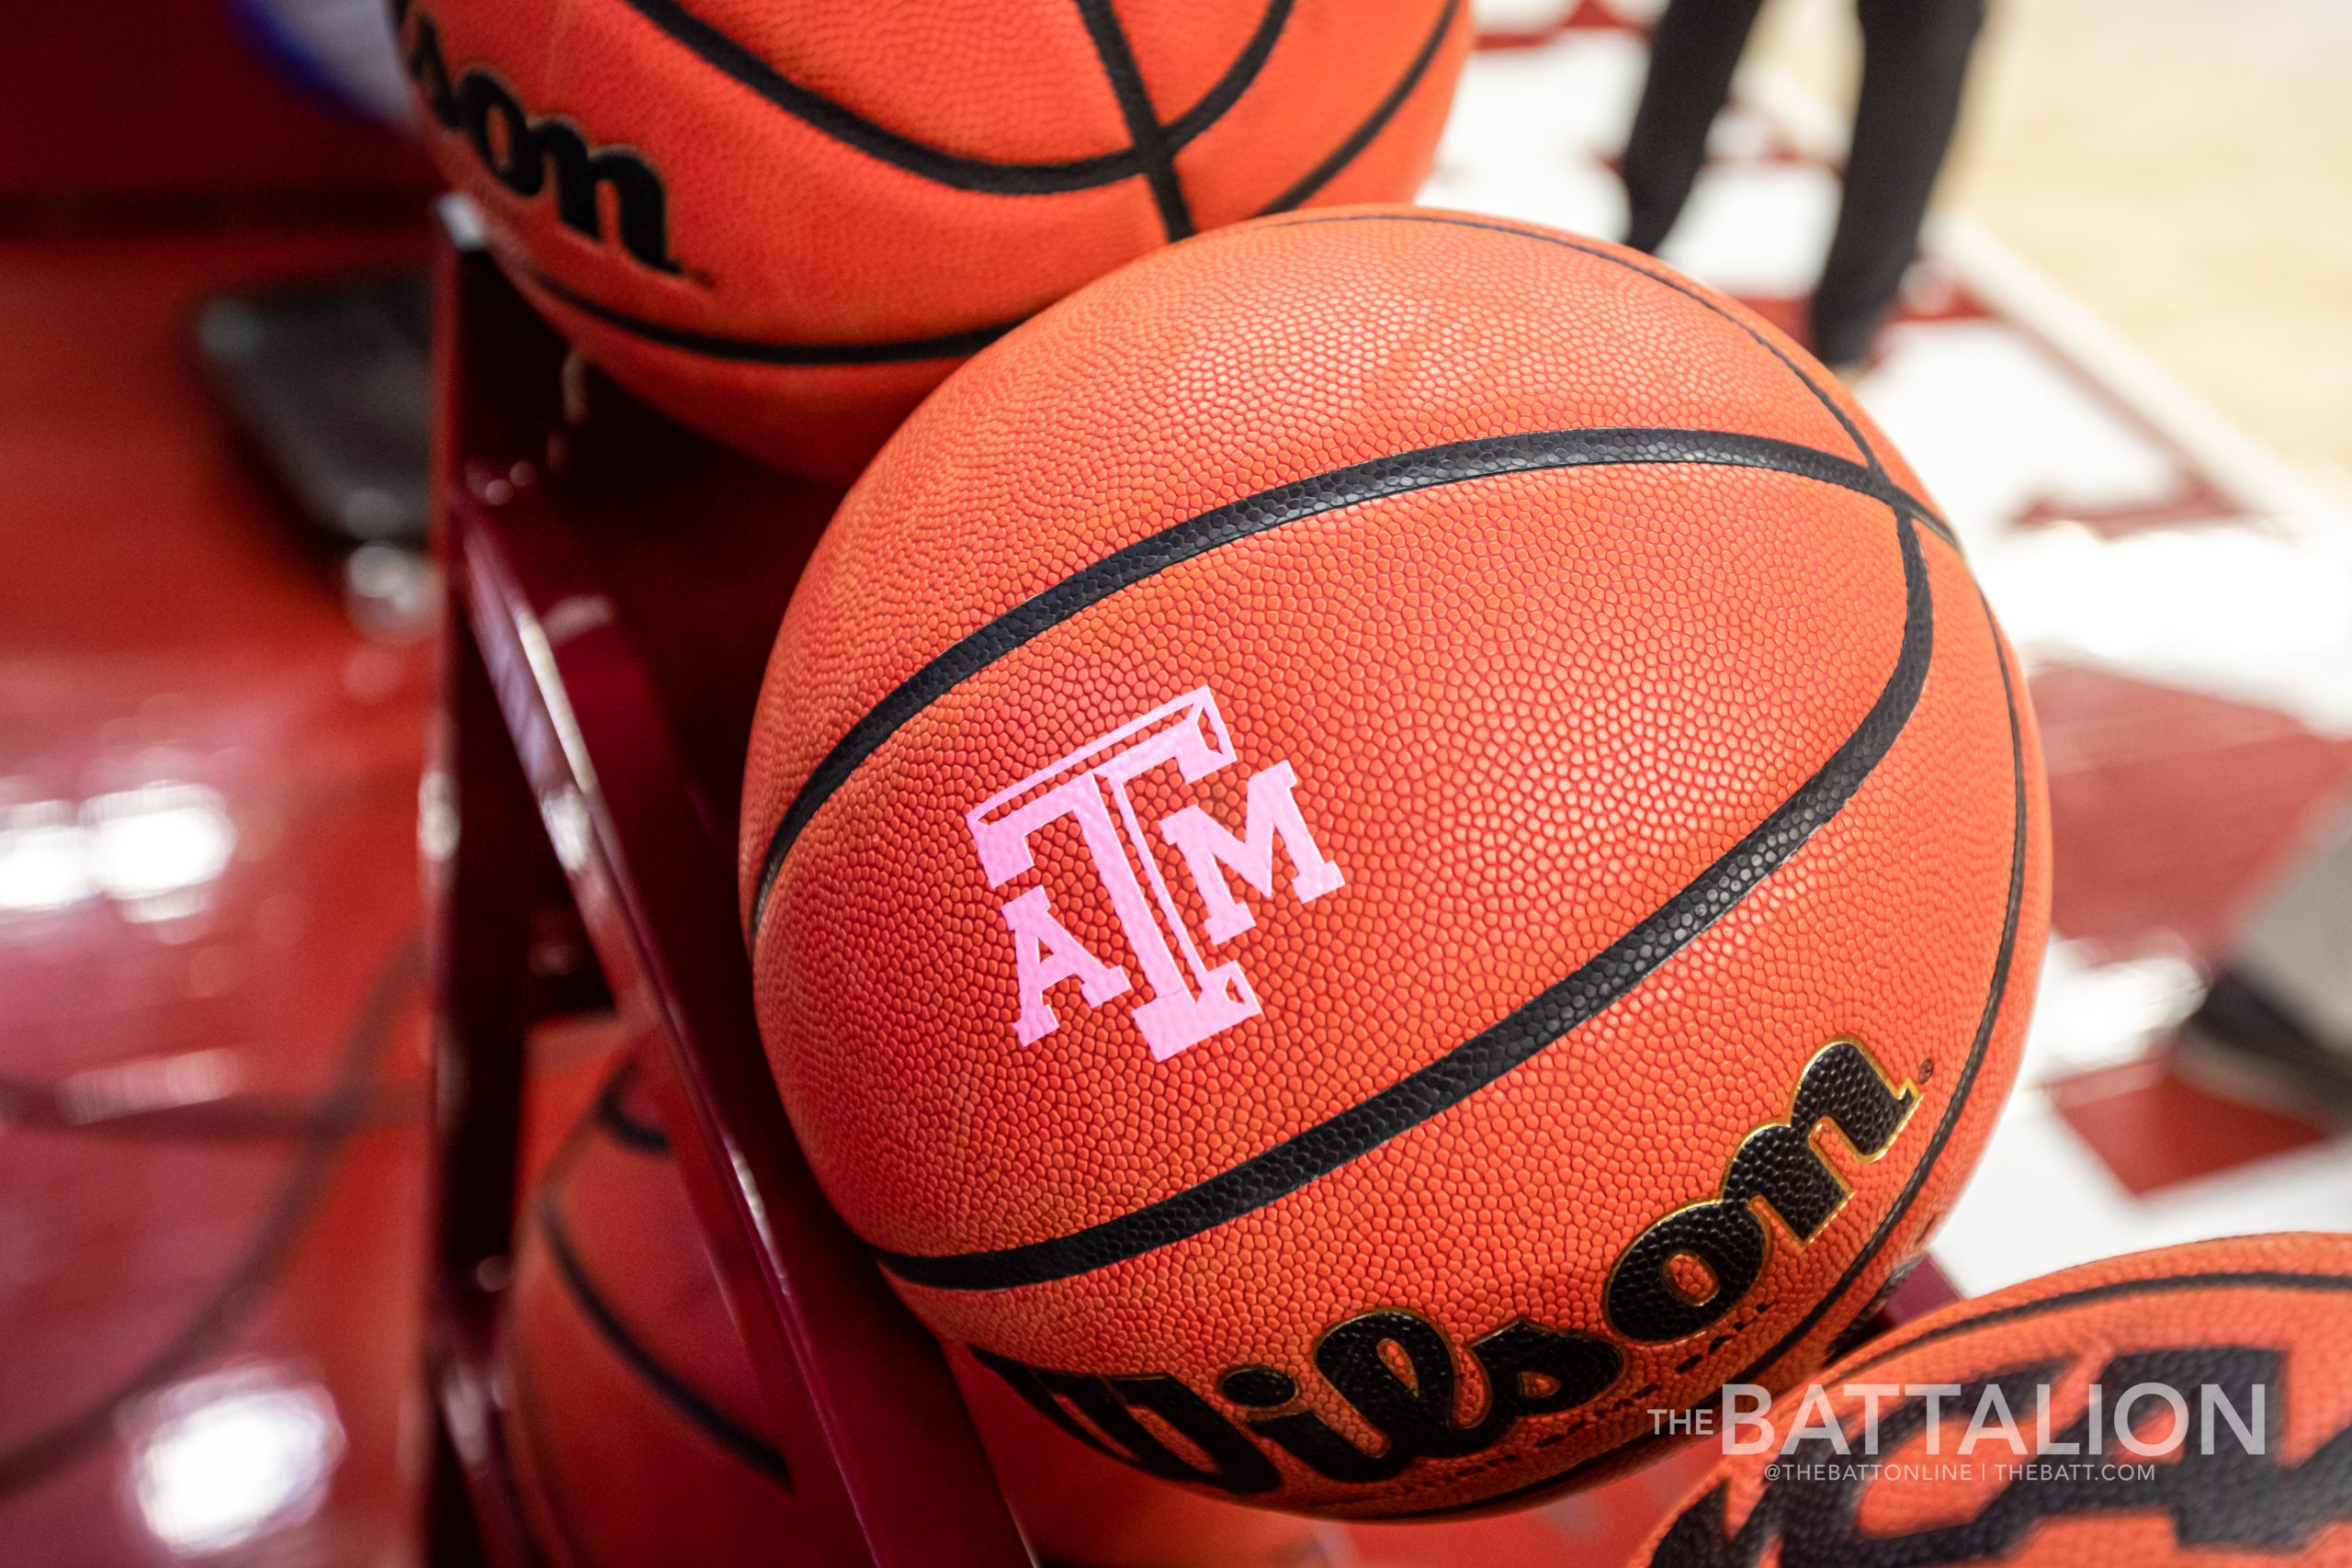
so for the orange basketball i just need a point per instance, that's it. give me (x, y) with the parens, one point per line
(2190, 1405)
(639, 1436)
(1385, 840)
(786, 223)
(636, 1429)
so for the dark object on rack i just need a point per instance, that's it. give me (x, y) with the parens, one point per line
(330, 384)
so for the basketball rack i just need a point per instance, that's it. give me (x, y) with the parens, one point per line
(610, 605)
(608, 612)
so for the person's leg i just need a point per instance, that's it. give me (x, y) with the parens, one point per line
(1914, 58)
(1692, 53)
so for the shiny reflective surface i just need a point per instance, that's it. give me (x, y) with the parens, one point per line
(208, 973)
(221, 1459)
(212, 1031)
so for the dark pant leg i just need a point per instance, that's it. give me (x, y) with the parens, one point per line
(1692, 56)
(1915, 57)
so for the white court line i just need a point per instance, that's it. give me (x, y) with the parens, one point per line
(2236, 464)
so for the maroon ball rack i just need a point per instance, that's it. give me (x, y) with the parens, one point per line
(612, 592)
(613, 585)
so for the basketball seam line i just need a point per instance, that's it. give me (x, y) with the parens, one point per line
(642, 1138)
(1600, 252)
(1376, 480)
(749, 1447)
(1315, 179)
(1144, 132)
(1995, 999)
(731, 59)
(2214, 1279)
(1529, 1030)
(551, 1485)
(968, 341)
(507, 1478)
(757, 351)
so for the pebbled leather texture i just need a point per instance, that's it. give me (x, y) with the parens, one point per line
(639, 1434)
(1660, 742)
(2268, 1311)
(786, 223)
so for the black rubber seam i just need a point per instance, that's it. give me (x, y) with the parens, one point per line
(1324, 172)
(624, 1129)
(552, 1479)
(1453, 463)
(1487, 1056)
(731, 59)
(1996, 991)
(1149, 137)
(760, 351)
(749, 1447)
(1665, 279)
(2210, 1279)
(1996, 998)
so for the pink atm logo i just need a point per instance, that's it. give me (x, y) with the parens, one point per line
(1184, 997)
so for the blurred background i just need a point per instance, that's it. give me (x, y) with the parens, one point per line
(2123, 364)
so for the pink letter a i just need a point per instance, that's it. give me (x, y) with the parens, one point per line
(1048, 954)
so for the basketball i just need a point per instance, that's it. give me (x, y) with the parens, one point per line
(1174, 784)
(638, 1436)
(2188, 1407)
(634, 1429)
(1390, 836)
(785, 224)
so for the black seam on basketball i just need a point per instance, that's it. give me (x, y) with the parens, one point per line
(1186, 127)
(1845, 421)
(1995, 1001)
(2209, 1280)
(550, 1488)
(1427, 468)
(619, 1126)
(1996, 995)
(749, 1447)
(535, 1551)
(730, 58)
(1533, 1027)
(1149, 137)
(760, 350)
(1996, 998)
(1315, 179)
